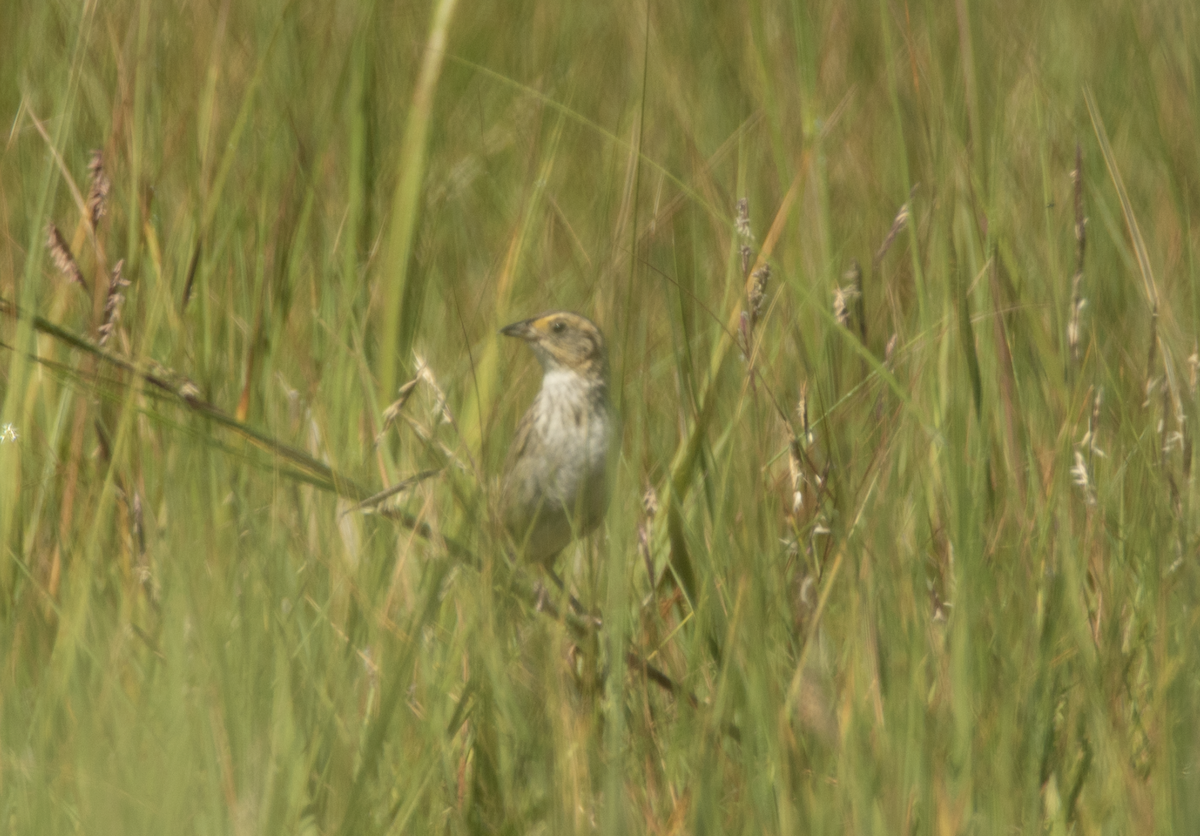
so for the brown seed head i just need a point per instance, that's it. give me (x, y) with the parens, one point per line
(60, 254)
(97, 198)
(112, 304)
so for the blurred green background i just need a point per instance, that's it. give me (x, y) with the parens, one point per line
(923, 545)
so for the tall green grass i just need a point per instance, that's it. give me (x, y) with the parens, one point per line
(980, 617)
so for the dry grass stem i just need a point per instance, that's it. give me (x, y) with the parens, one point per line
(371, 503)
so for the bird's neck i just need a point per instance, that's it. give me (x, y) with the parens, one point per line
(570, 384)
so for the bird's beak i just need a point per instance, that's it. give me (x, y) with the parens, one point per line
(522, 330)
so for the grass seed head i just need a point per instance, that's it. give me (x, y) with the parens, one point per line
(841, 310)
(890, 351)
(802, 416)
(1075, 323)
(796, 472)
(898, 224)
(114, 302)
(758, 292)
(742, 221)
(60, 254)
(98, 188)
(1082, 478)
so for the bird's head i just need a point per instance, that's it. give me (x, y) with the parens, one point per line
(564, 341)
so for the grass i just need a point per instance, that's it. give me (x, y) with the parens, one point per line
(955, 593)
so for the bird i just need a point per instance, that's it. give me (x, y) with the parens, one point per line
(555, 482)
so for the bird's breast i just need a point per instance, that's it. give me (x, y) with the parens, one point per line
(574, 422)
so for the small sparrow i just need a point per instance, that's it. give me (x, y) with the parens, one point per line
(555, 484)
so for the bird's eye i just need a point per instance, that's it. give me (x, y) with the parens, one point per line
(558, 326)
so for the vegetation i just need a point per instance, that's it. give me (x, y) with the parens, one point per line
(909, 547)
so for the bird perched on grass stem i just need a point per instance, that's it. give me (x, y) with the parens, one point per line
(555, 484)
